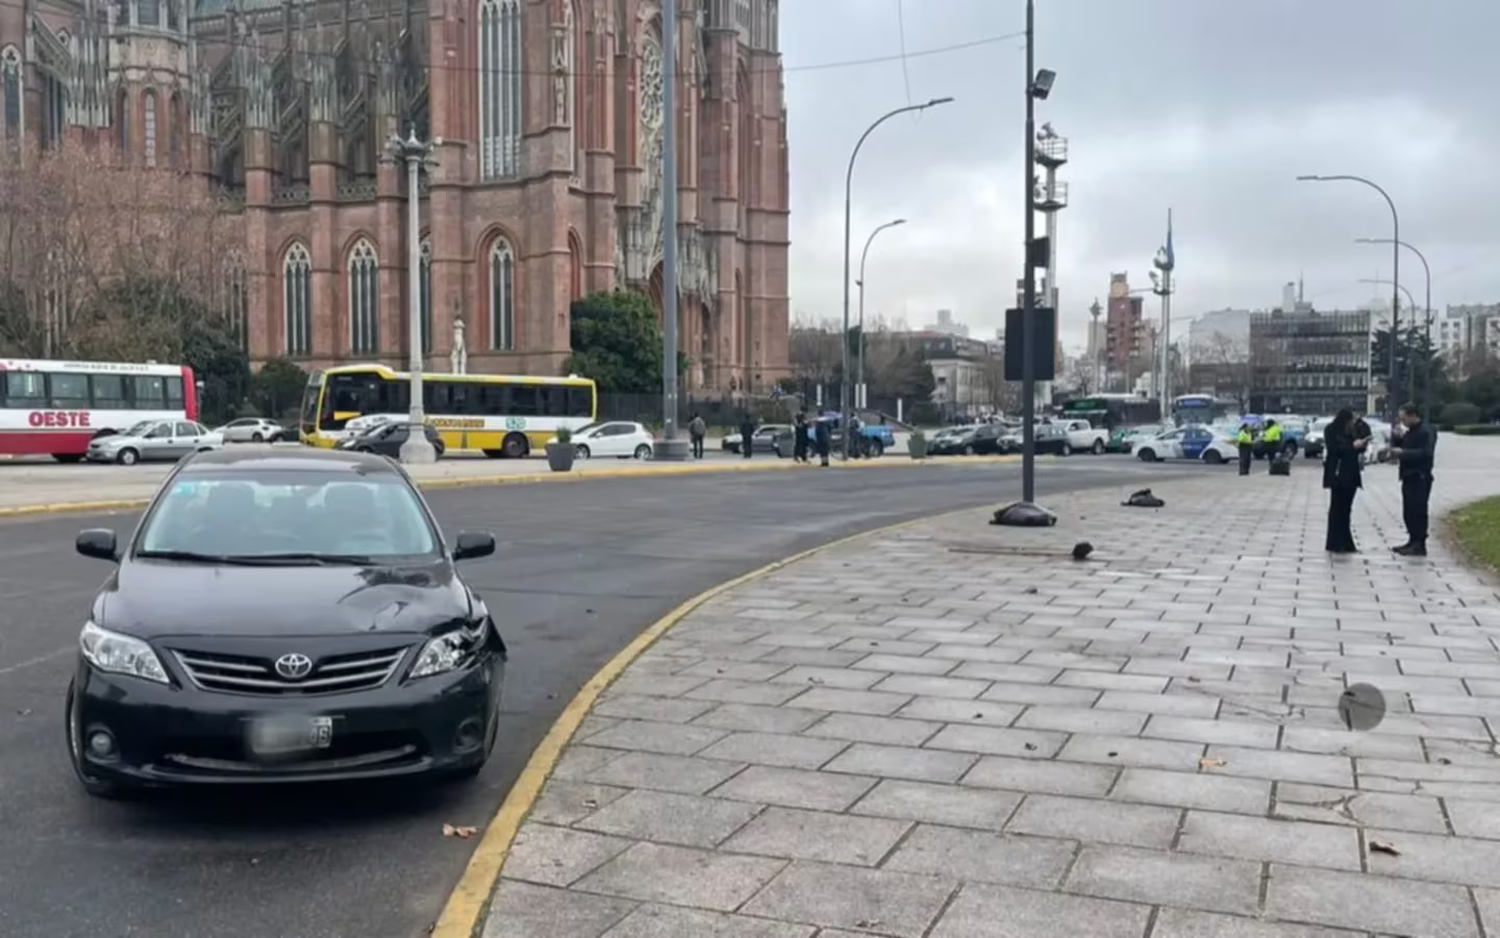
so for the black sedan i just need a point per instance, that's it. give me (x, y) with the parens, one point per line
(283, 617)
(387, 439)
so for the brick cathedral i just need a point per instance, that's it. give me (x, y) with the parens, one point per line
(547, 122)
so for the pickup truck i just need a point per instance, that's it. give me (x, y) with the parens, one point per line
(1083, 438)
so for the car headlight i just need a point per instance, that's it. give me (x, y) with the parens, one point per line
(447, 651)
(120, 654)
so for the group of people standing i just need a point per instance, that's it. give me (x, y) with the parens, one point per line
(1346, 440)
(808, 436)
(1270, 439)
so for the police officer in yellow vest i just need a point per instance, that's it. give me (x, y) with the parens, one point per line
(1245, 440)
(1271, 437)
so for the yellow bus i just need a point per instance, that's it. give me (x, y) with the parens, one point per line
(502, 415)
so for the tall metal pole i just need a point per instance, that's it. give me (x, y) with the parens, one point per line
(417, 154)
(1392, 386)
(1166, 262)
(1095, 311)
(1028, 272)
(1427, 362)
(671, 447)
(848, 207)
(859, 381)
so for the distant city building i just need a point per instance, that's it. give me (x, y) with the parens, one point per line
(1223, 334)
(1307, 362)
(1467, 327)
(958, 364)
(947, 325)
(1124, 338)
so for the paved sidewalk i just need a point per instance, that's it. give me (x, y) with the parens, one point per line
(951, 731)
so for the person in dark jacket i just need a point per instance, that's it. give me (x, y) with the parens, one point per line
(1244, 441)
(1341, 477)
(823, 435)
(697, 430)
(747, 436)
(799, 438)
(1414, 456)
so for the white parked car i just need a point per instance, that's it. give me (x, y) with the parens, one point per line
(251, 430)
(154, 440)
(1083, 438)
(617, 438)
(359, 425)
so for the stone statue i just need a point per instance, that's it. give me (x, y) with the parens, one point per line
(459, 357)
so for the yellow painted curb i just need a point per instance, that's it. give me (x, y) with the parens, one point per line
(529, 478)
(463, 914)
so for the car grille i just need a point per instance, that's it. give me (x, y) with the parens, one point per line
(335, 674)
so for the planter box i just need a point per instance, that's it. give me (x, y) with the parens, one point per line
(917, 448)
(560, 456)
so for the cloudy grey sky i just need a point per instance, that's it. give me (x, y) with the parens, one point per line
(1210, 107)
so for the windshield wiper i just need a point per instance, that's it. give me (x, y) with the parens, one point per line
(259, 560)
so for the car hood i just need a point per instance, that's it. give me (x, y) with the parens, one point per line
(157, 599)
(117, 439)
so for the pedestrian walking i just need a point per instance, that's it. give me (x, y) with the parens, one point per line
(799, 438)
(824, 437)
(1343, 445)
(697, 430)
(1414, 461)
(1270, 439)
(747, 436)
(1245, 442)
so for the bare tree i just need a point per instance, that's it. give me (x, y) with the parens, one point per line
(1221, 364)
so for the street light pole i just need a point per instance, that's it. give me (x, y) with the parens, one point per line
(1096, 311)
(859, 381)
(848, 204)
(417, 154)
(1391, 379)
(670, 447)
(1427, 362)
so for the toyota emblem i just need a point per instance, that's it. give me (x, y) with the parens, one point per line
(294, 667)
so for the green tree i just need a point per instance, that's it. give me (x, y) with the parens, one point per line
(617, 342)
(276, 390)
(1420, 373)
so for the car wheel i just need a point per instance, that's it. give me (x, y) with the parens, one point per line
(68, 459)
(514, 446)
(439, 449)
(1098, 448)
(128, 456)
(776, 448)
(1147, 455)
(257, 437)
(1067, 449)
(968, 451)
(1213, 456)
(93, 785)
(643, 451)
(581, 451)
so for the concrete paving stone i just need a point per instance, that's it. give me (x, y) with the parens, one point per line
(1270, 840)
(778, 616)
(889, 731)
(1482, 688)
(1043, 694)
(848, 897)
(795, 788)
(562, 801)
(653, 685)
(819, 836)
(1132, 751)
(667, 817)
(1459, 751)
(1405, 771)
(941, 620)
(1488, 902)
(1181, 923)
(1409, 684)
(905, 664)
(1170, 879)
(1372, 903)
(1436, 858)
(734, 670)
(997, 741)
(1074, 661)
(702, 879)
(872, 703)
(920, 765)
(980, 654)
(593, 725)
(726, 651)
(1020, 675)
(797, 639)
(1110, 681)
(662, 921)
(863, 630)
(1488, 671)
(983, 856)
(1473, 818)
(558, 856)
(871, 646)
(1095, 821)
(521, 910)
(813, 656)
(578, 762)
(661, 664)
(1350, 743)
(1041, 776)
(1237, 658)
(1455, 705)
(663, 738)
(751, 718)
(999, 912)
(680, 774)
(1081, 720)
(948, 637)
(938, 804)
(1282, 766)
(1359, 808)
(1198, 705)
(950, 710)
(1223, 732)
(792, 752)
(929, 686)
(719, 630)
(744, 692)
(843, 678)
(1190, 789)
(1171, 667)
(655, 709)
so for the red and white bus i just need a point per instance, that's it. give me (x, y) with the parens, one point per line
(53, 408)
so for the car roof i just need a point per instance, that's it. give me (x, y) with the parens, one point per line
(306, 459)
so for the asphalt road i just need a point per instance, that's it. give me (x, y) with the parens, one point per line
(581, 569)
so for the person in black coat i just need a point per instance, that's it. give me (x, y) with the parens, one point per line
(1415, 456)
(747, 436)
(823, 437)
(1343, 445)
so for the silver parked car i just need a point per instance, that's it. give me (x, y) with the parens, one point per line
(251, 430)
(154, 440)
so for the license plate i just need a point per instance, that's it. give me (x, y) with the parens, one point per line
(278, 735)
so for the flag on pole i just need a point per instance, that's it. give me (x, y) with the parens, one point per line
(1171, 255)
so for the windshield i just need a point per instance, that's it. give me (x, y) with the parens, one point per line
(243, 515)
(139, 429)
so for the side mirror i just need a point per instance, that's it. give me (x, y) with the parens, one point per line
(99, 543)
(470, 544)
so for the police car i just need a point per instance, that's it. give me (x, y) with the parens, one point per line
(1190, 442)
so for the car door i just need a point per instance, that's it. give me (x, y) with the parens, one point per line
(158, 442)
(610, 440)
(391, 440)
(1194, 441)
(765, 438)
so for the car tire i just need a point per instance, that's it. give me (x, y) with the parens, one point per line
(1214, 457)
(581, 451)
(514, 446)
(92, 785)
(643, 451)
(1146, 455)
(439, 449)
(128, 456)
(1067, 449)
(68, 459)
(968, 451)
(1098, 448)
(257, 438)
